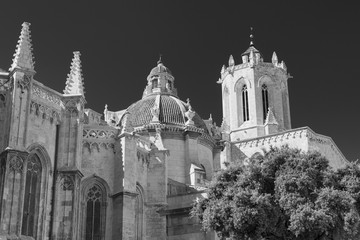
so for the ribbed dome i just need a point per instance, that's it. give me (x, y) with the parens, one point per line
(172, 111)
(160, 68)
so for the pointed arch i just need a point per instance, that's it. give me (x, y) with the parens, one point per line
(94, 196)
(37, 171)
(226, 104)
(139, 212)
(240, 82)
(241, 88)
(265, 100)
(265, 79)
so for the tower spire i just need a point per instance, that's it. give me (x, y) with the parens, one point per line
(23, 56)
(74, 81)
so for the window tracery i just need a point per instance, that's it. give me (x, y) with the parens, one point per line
(94, 198)
(93, 213)
(31, 196)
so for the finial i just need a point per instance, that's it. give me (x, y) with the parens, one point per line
(189, 113)
(251, 37)
(231, 61)
(274, 58)
(160, 60)
(74, 81)
(23, 57)
(222, 69)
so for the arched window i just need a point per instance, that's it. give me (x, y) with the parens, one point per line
(245, 103)
(154, 82)
(265, 100)
(31, 196)
(139, 214)
(93, 212)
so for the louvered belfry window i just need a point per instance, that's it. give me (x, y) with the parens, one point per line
(32, 196)
(93, 213)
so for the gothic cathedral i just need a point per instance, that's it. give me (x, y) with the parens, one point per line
(68, 172)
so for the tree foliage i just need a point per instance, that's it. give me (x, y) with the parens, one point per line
(283, 194)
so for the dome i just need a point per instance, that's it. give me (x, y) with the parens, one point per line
(172, 112)
(160, 68)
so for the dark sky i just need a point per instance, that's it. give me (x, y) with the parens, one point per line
(120, 42)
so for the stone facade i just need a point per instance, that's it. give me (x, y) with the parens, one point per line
(67, 172)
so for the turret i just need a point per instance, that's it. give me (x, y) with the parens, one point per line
(160, 80)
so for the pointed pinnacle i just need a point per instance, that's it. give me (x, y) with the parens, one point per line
(274, 58)
(231, 61)
(270, 118)
(74, 81)
(23, 57)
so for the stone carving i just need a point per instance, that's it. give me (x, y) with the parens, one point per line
(90, 145)
(24, 83)
(5, 84)
(45, 95)
(190, 114)
(98, 134)
(155, 111)
(72, 106)
(45, 112)
(67, 183)
(16, 164)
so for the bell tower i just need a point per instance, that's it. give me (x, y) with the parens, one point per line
(255, 96)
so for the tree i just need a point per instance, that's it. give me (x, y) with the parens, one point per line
(283, 194)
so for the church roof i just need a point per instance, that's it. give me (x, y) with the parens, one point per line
(160, 68)
(171, 111)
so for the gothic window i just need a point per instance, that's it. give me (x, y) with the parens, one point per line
(139, 214)
(93, 212)
(265, 100)
(2, 179)
(31, 196)
(245, 103)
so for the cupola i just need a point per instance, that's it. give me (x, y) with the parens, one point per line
(160, 80)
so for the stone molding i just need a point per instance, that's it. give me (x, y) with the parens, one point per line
(44, 95)
(124, 193)
(45, 112)
(98, 145)
(231, 69)
(100, 134)
(303, 132)
(97, 138)
(6, 84)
